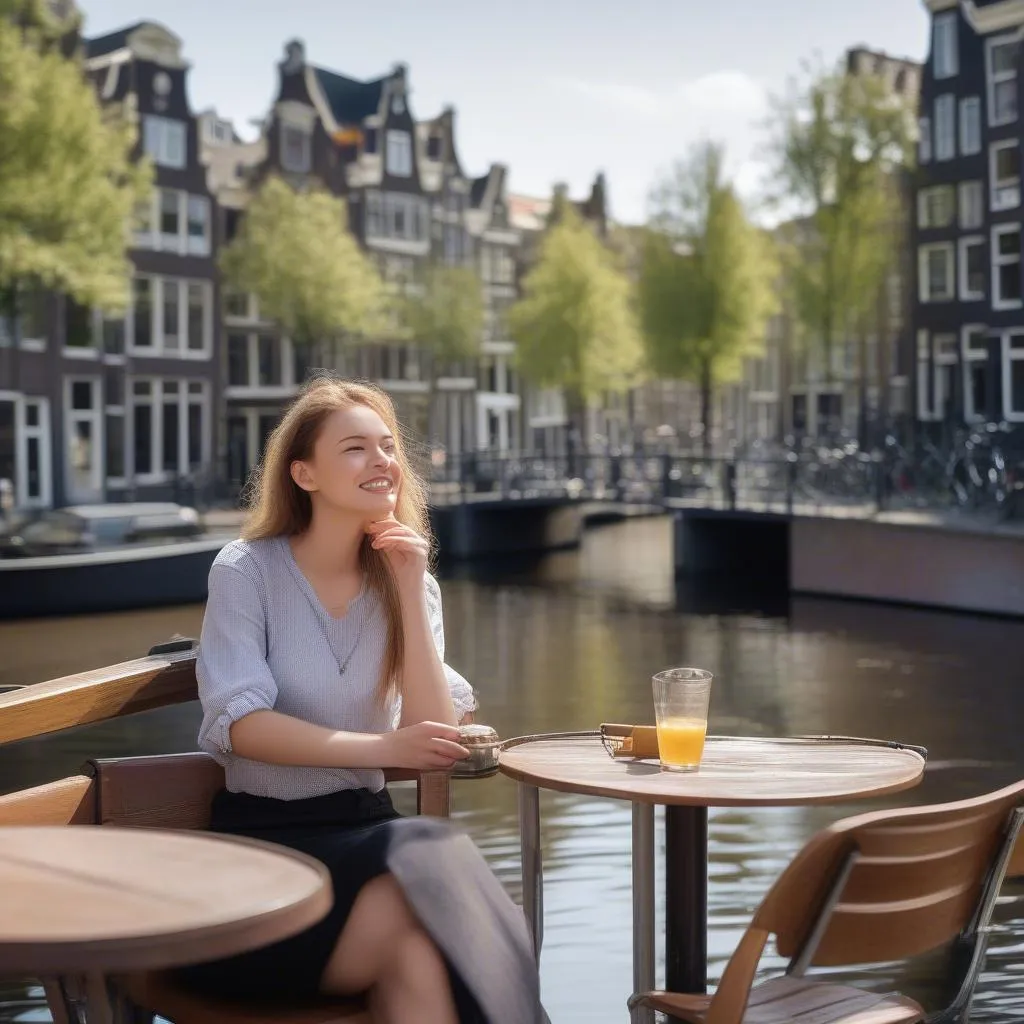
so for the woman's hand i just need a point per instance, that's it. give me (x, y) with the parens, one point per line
(423, 746)
(404, 548)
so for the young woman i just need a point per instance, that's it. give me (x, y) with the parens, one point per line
(320, 664)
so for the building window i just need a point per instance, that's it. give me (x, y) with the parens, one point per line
(198, 226)
(946, 360)
(79, 336)
(142, 313)
(164, 141)
(398, 158)
(1001, 69)
(170, 218)
(113, 330)
(935, 272)
(924, 364)
(970, 126)
(936, 207)
(296, 149)
(171, 311)
(972, 205)
(370, 140)
(1013, 376)
(924, 145)
(976, 376)
(238, 360)
(1004, 169)
(1006, 270)
(972, 268)
(184, 324)
(235, 303)
(170, 420)
(945, 127)
(396, 216)
(945, 57)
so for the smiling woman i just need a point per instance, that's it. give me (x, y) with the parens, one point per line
(321, 663)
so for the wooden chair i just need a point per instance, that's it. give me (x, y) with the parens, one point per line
(878, 887)
(174, 791)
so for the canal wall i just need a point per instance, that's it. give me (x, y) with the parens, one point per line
(920, 564)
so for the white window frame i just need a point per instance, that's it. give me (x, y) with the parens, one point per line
(924, 144)
(304, 163)
(945, 353)
(165, 141)
(398, 153)
(970, 126)
(1004, 193)
(963, 244)
(922, 271)
(971, 198)
(93, 416)
(159, 348)
(945, 127)
(1011, 355)
(998, 230)
(155, 400)
(927, 198)
(970, 355)
(925, 407)
(945, 52)
(22, 433)
(252, 387)
(992, 80)
(149, 235)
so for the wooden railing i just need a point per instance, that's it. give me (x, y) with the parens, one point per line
(162, 678)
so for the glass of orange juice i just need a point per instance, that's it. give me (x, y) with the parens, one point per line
(681, 698)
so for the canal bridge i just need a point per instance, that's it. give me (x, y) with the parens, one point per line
(847, 526)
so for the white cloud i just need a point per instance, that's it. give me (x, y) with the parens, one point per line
(719, 93)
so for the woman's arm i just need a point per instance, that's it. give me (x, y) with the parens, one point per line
(427, 692)
(274, 738)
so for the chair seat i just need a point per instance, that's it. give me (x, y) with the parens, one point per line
(797, 1001)
(158, 993)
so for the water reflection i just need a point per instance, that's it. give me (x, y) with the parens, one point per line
(571, 640)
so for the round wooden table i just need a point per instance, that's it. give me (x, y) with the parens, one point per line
(734, 772)
(92, 901)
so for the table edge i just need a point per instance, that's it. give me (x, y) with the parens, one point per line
(684, 800)
(123, 953)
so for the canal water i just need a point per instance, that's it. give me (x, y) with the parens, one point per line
(570, 641)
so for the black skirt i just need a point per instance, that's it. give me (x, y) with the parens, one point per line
(359, 835)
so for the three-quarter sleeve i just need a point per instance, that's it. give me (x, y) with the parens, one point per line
(231, 667)
(462, 693)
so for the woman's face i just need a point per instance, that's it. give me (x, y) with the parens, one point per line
(353, 467)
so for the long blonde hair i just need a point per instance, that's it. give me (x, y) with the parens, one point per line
(279, 507)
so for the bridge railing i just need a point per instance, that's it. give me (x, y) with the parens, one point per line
(821, 481)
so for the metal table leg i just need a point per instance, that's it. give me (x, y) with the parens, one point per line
(686, 899)
(643, 907)
(532, 863)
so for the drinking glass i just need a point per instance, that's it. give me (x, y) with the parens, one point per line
(681, 697)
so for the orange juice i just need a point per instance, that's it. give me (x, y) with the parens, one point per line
(681, 741)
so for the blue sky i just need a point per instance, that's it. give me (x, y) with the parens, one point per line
(555, 89)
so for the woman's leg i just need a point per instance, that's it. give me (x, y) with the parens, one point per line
(383, 950)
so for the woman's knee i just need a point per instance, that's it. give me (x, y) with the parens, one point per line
(380, 918)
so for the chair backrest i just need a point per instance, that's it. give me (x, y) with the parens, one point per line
(891, 884)
(176, 790)
(163, 791)
(70, 801)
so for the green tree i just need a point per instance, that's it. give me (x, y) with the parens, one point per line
(574, 325)
(707, 277)
(841, 144)
(69, 186)
(294, 252)
(442, 311)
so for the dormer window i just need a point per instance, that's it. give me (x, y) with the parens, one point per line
(398, 105)
(434, 147)
(370, 140)
(296, 149)
(399, 154)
